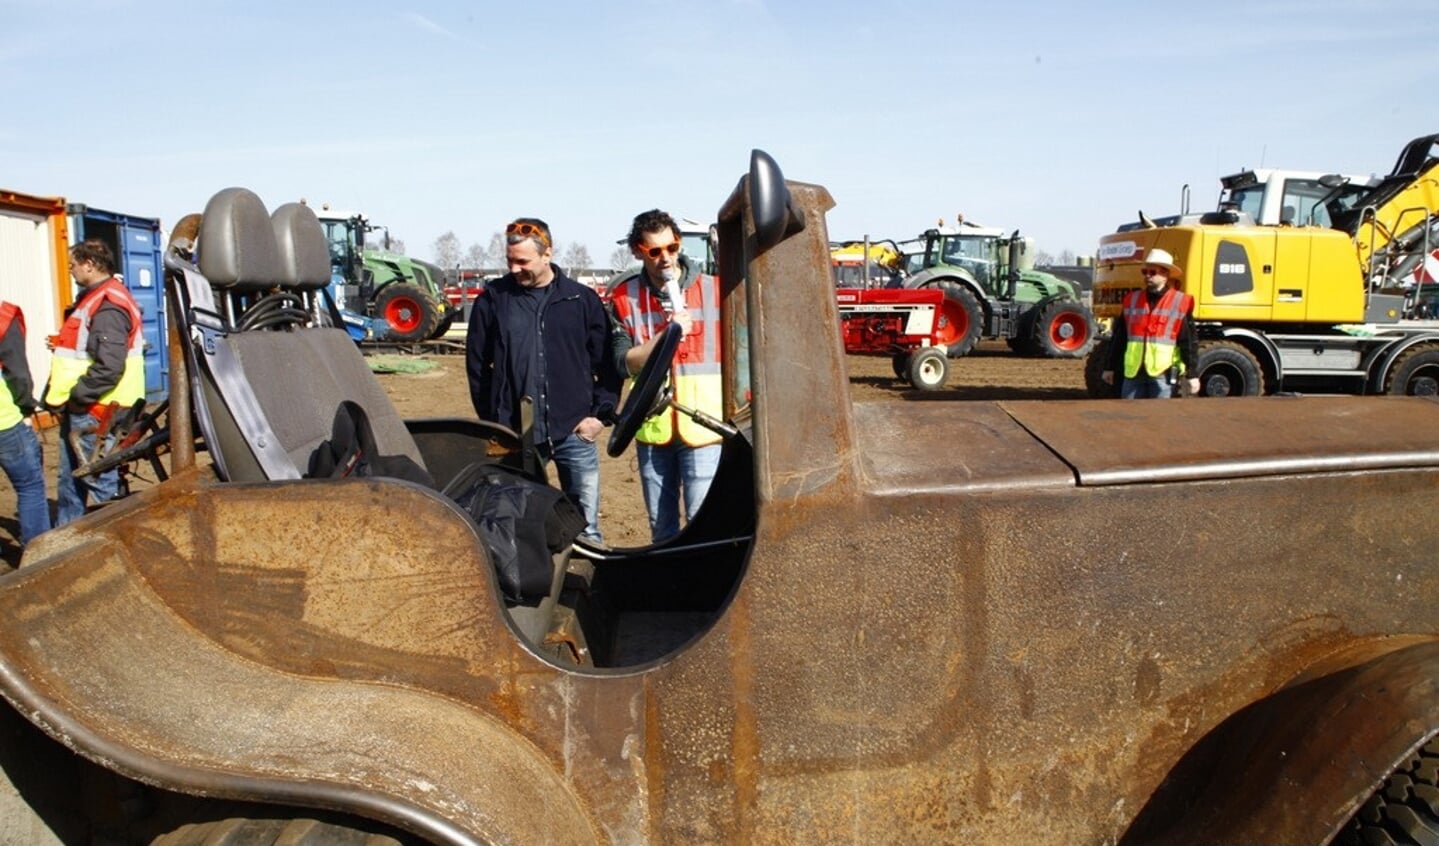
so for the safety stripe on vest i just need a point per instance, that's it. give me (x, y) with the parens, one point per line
(112, 291)
(70, 359)
(1153, 333)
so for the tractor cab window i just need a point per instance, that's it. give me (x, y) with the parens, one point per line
(696, 245)
(337, 235)
(974, 254)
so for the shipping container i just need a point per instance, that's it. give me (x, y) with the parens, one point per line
(136, 243)
(35, 270)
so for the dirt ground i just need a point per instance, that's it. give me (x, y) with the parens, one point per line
(990, 372)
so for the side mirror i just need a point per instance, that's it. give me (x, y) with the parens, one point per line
(774, 215)
(1333, 180)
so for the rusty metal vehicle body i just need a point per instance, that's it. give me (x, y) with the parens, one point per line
(1087, 624)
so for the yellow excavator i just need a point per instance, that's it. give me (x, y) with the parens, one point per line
(1338, 300)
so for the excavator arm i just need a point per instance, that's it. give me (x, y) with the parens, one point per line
(1394, 224)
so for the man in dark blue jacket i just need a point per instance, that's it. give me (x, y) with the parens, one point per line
(537, 333)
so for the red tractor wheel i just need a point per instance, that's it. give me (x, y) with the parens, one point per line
(1064, 329)
(411, 313)
(960, 320)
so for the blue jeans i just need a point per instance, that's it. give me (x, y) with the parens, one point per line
(1146, 387)
(71, 494)
(664, 471)
(23, 462)
(577, 462)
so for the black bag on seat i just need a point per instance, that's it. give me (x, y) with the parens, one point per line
(522, 522)
(352, 451)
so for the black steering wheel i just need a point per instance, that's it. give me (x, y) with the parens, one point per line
(645, 399)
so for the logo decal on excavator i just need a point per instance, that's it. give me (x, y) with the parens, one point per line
(1231, 270)
(1117, 250)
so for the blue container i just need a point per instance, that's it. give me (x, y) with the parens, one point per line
(138, 252)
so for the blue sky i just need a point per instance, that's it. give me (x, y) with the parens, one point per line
(1057, 118)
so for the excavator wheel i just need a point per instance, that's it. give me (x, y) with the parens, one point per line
(238, 832)
(1094, 372)
(1415, 373)
(411, 313)
(1227, 369)
(1404, 810)
(961, 320)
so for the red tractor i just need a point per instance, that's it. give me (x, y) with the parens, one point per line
(899, 323)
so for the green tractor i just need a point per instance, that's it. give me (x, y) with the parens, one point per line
(377, 284)
(992, 291)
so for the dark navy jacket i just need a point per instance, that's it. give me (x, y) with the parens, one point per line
(579, 379)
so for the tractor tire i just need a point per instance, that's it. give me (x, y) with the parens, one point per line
(961, 320)
(1023, 345)
(900, 362)
(1404, 810)
(1094, 367)
(1227, 369)
(928, 369)
(1415, 373)
(444, 326)
(411, 313)
(238, 832)
(1063, 329)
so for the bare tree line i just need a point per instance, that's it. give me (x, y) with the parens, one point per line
(449, 254)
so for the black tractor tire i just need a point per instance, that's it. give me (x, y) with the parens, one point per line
(411, 312)
(444, 326)
(900, 362)
(961, 319)
(238, 832)
(1404, 810)
(1415, 373)
(1023, 345)
(1094, 367)
(1063, 329)
(1227, 369)
(928, 369)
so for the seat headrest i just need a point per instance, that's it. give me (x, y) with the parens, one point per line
(237, 242)
(304, 253)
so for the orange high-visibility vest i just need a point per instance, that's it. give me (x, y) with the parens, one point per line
(1153, 333)
(71, 360)
(695, 376)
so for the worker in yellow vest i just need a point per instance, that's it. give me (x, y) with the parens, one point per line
(677, 457)
(1154, 341)
(97, 372)
(20, 453)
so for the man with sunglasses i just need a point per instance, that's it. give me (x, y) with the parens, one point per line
(677, 457)
(1154, 340)
(537, 333)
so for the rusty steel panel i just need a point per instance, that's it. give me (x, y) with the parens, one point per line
(1122, 442)
(954, 625)
(969, 447)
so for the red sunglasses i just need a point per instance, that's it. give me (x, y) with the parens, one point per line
(654, 252)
